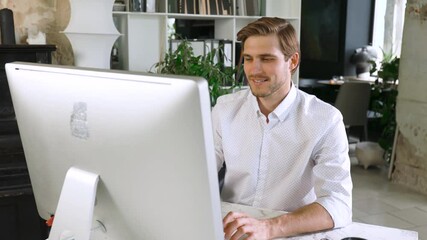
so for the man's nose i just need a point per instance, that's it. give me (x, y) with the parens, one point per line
(256, 66)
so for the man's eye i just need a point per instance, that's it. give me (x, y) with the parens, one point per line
(268, 59)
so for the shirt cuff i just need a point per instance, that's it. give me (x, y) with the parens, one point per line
(341, 212)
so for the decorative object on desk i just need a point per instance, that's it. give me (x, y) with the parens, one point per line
(363, 58)
(337, 80)
(383, 100)
(7, 26)
(35, 36)
(183, 61)
(92, 37)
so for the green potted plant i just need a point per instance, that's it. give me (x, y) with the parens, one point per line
(383, 99)
(183, 61)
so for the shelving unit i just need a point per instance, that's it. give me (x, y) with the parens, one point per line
(145, 40)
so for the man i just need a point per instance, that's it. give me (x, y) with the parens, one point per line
(283, 149)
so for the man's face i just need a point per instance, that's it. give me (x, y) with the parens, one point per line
(268, 73)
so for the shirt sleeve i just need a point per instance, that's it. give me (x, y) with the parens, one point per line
(332, 178)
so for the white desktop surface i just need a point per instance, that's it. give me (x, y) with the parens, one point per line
(355, 229)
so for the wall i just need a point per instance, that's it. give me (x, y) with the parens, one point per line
(47, 16)
(411, 148)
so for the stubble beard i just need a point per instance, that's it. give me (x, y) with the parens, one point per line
(261, 93)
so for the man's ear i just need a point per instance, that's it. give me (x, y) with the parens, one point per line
(294, 62)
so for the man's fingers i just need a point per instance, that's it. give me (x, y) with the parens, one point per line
(231, 216)
(238, 233)
(237, 227)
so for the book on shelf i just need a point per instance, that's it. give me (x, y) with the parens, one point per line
(177, 6)
(172, 6)
(213, 7)
(143, 5)
(151, 6)
(192, 7)
(202, 7)
(208, 7)
(119, 6)
(241, 7)
(262, 8)
(227, 7)
(252, 8)
(135, 6)
(249, 7)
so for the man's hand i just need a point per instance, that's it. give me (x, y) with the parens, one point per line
(310, 218)
(237, 225)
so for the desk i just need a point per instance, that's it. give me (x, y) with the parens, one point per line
(331, 82)
(370, 80)
(355, 229)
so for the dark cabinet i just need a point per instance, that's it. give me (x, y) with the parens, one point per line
(330, 32)
(19, 219)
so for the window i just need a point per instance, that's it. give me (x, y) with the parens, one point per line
(388, 26)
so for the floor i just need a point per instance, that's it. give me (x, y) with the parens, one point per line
(378, 201)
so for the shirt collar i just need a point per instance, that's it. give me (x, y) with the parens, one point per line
(286, 103)
(280, 110)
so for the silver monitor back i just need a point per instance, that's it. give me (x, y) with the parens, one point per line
(148, 137)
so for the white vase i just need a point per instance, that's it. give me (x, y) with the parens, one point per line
(92, 32)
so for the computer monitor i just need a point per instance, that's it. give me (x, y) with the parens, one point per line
(147, 138)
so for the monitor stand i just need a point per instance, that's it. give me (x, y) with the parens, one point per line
(74, 213)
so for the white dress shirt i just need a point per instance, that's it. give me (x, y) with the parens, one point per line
(299, 157)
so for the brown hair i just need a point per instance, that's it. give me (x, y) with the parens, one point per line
(285, 32)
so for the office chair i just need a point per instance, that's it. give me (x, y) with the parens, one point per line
(353, 102)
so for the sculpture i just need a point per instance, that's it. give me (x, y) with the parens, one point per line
(361, 58)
